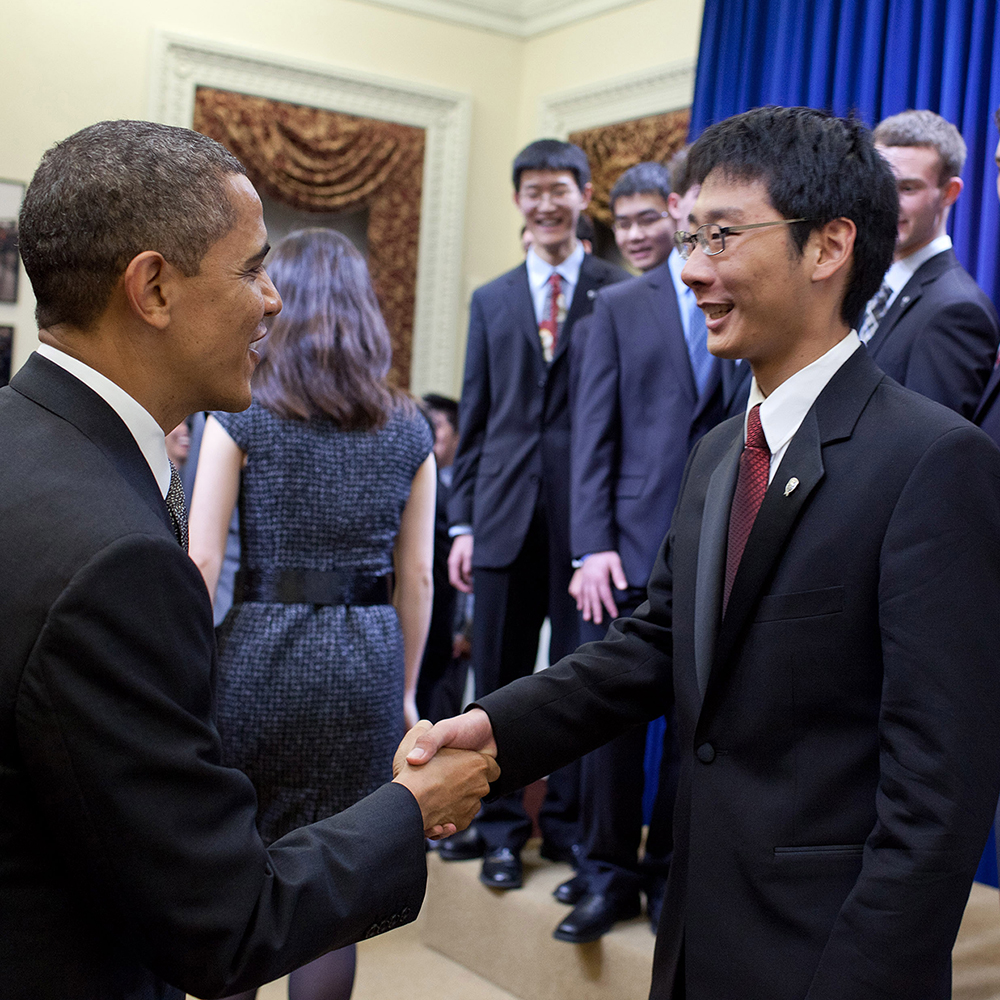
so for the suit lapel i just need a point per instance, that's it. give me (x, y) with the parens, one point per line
(712, 557)
(992, 387)
(587, 284)
(910, 294)
(831, 418)
(708, 394)
(523, 308)
(784, 500)
(56, 390)
(733, 377)
(665, 316)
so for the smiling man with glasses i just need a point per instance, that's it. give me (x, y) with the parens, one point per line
(648, 390)
(509, 507)
(822, 614)
(712, 238)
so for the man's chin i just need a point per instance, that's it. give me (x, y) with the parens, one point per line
(232, 402)
(552, 239)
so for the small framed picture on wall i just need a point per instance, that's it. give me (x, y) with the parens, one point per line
(11, 193)
(6, 345)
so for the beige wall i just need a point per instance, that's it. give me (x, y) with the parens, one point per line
(69, 63)
(619, 43)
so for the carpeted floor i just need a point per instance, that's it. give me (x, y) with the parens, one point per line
(399, 965)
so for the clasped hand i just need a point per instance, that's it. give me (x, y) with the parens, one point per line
(448, 782)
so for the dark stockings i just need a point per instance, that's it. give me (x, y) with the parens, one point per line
(330, 977)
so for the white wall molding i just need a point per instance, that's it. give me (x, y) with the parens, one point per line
(182, 63)
(648, 92)
(520, 18)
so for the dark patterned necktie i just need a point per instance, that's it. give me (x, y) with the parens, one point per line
(553, 312)
(751, 485)
(177, 508)
(874, 312)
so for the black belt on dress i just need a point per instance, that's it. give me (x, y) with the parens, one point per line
(313, 586)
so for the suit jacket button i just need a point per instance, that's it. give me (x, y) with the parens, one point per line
(706, 753)
(541, 383)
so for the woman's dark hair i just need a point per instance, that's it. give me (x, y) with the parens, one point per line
(328, 352)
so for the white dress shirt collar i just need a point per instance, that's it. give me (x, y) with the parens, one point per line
(146, 431)
(539, 273)
(782, 413)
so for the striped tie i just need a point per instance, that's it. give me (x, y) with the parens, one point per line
(874, 312)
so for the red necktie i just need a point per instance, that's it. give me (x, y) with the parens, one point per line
(751, 485)
(548, 329)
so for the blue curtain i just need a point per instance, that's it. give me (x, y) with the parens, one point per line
(874, 58)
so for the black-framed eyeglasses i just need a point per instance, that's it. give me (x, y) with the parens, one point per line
(644, 220)
(712, 238)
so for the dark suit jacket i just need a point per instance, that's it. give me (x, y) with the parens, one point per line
(987, 413)
(940, 335)
(129, 858)
(514, 418)
(839, 740)
(636, 416)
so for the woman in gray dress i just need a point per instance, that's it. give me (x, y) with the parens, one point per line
(335, 477)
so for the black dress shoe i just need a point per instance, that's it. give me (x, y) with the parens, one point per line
(558, 852)
(594, 916)
(462, 846)
(571, 891)
(501, 869)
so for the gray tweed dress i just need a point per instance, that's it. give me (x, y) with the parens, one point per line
(310, 697)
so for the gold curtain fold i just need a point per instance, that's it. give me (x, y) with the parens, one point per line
(612, 149)
(325, 161)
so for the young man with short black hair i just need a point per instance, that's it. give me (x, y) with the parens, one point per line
(648, 390)
(822, 613)
(509, 508)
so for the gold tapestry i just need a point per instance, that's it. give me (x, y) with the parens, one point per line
(326, 161)
(612, 149)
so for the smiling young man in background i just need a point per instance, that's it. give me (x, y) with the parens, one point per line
(509, 508)
(930, 326)
(648, 389)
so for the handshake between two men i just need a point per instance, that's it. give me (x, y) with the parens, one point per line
(447, 768)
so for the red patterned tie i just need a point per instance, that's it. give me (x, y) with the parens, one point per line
(751, 485)
(548, 329)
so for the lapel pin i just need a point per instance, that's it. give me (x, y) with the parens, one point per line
(790, 485)
(591, 293)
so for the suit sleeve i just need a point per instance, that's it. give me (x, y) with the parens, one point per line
(596, 435)
(115, 715)
(939, 729)
(953, 353)
(473, 412)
